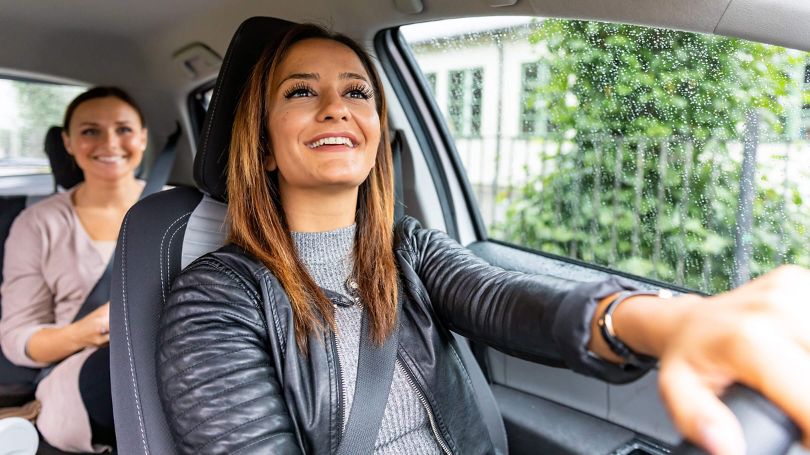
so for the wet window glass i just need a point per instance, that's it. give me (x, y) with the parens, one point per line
(674, 156)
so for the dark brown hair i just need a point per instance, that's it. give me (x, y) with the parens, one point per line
(100, 92)
(257, 221)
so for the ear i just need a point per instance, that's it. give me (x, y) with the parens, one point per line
(66, 141)
(144, 137)
(270, 163)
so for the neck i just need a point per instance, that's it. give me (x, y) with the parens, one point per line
(107, 194)
(319, 211)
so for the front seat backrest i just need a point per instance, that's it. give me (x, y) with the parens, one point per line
(66, 174)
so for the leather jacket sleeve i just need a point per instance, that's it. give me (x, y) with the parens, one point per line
(541, 318)
(217, 382)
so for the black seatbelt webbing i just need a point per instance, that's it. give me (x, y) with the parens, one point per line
(375, 371)
(100, 294)
(162, 167)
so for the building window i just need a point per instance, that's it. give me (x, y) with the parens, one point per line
(532, 117)
(464, 103)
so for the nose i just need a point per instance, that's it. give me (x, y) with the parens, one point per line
(333, 107)
(110, 140)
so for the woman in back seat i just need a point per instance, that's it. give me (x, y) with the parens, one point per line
(56, 251)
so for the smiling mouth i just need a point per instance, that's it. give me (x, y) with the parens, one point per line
(335, 140)
(109, 159)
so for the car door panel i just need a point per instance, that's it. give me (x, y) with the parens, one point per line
(633, 409)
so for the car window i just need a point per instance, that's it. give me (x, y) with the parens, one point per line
(27, 110)
(669, 155)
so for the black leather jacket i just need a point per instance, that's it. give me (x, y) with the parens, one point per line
(232, 380)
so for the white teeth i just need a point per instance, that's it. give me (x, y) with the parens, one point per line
(109, 159)
(333, 140)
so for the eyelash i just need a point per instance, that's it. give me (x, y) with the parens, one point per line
(364, 90)
(292, 91)
(295, 90)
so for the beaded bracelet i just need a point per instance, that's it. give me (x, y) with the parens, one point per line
(616, 345)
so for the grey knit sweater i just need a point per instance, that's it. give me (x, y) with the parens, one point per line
(405, 426)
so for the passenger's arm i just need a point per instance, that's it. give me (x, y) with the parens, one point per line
(27, 299)
(30, 336)
(52, 344)
(216, 379)
(541, 318)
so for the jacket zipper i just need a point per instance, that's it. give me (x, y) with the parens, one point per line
(341, 386)
(426, 405)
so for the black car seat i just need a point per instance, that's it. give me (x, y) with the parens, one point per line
(66, 173)
(168, 230)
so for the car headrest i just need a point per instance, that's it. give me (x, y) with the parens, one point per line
(248, 43)
(66, 173)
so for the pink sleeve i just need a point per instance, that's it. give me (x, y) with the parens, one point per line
(27, 300)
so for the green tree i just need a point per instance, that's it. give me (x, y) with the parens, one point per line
(41, 106)
(646, 179)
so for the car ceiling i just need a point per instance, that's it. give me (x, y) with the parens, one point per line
(132, 44)
(41, 36)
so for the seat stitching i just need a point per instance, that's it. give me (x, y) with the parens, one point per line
(126, 335)
(215, 103)
(162, 291)
(168, 262)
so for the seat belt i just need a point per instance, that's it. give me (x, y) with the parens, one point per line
(163, 164)
(100, 294)
(375, 371)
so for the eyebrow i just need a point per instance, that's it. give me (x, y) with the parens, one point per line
(117, 122)
(316, 77)
(353, 76)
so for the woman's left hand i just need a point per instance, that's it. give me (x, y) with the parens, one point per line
(757, 335)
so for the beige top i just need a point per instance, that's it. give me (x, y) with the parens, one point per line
(50, 267)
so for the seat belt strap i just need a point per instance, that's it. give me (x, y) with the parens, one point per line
(163, 164)
(100, 294)
(375, 371)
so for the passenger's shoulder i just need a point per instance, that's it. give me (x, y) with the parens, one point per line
(54, 211)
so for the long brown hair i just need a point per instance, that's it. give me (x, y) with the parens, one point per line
(257, 220)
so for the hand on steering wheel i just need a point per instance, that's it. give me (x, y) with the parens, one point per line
(757, 335)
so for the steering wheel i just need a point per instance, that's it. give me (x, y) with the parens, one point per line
(767, 430)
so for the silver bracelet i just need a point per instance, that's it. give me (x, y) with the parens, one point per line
(605, 323)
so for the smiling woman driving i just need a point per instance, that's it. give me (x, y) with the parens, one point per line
(282, 341)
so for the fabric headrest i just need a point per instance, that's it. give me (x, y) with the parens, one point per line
(248, 43)
(66, 173)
